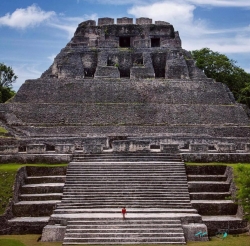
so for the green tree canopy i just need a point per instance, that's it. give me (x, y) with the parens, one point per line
(222, 69)
(7, 78)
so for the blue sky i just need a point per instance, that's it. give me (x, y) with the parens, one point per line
(32, 32)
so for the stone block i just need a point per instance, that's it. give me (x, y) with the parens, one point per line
(161, 23)
(195, 232)
(247, 147)
(142, 43)
(107, 72)
(65, 148)
(88, 23)
(5, 149)
(169, 148)
(108, 44)
(124, 20)
(143, 21)
(141, 72)
(53, 233)
(131, 146)
(92, 148)
(105, 21)
(36, 148)
(198, 147)
(225, 147)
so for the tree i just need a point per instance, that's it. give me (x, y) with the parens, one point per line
(7, 78)
(222, 69)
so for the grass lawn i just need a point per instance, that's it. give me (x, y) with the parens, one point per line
(7, 178)
(31, 240)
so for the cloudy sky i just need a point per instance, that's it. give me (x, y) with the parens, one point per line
(32, 32)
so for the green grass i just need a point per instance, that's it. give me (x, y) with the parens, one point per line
(3, 132)
(31, 240)
(7, 178)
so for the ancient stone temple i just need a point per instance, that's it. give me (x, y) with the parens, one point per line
(127, 105)
(130, 80)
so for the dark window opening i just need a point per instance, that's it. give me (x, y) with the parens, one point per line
(124, 72)
(138, 61)
(89, 73)
(113, 138)
(50, 147)
(22, 149)
(154, 146)
(110, 62)
(124, 42)
(155, 42)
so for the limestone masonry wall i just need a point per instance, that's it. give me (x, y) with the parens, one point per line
(123, 91)
(129, 114)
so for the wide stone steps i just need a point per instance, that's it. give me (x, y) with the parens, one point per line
(117, 231)
(207, 178)
(209, 195)
(40, 197)
(45, 179)
(42, 188)
(148, 184)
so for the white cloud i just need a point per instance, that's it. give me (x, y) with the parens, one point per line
(196, 34)
(215, 3)
(52, 57)
(23, 18)
(167, 11)
(69, 24)
(25, 71)
(221, 3)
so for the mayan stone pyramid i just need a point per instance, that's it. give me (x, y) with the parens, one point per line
(126, 79)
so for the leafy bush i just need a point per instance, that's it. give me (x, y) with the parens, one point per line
(243, 184)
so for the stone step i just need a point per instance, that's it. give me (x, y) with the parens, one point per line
(40, 197)
(125, 190)
(124, 234)
(129, 159)
(114, 214)
(71, 207)
(45, 179)
(34, 208)
(110, 182)
(199, 186)
(124, 154)
(122, 169)
(131, 228)
(215, 207)
(232, 223)
(165, 200)
(207, 177)
(133, 240)
(42, 188)
(209, 195)
(24, 225)
(137, 162)
(128, 196)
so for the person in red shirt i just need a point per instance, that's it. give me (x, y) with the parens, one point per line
(124, 211)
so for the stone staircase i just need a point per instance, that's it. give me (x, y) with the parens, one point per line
(152, 186)
(37, 199)
(210, 192)
(138, 230)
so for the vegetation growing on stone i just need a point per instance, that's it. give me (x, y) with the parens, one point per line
(7, 178)
(7, 78)
(222, 69)
(243, 184)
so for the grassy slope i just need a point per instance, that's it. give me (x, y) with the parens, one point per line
(31, 240)
(7, 178)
